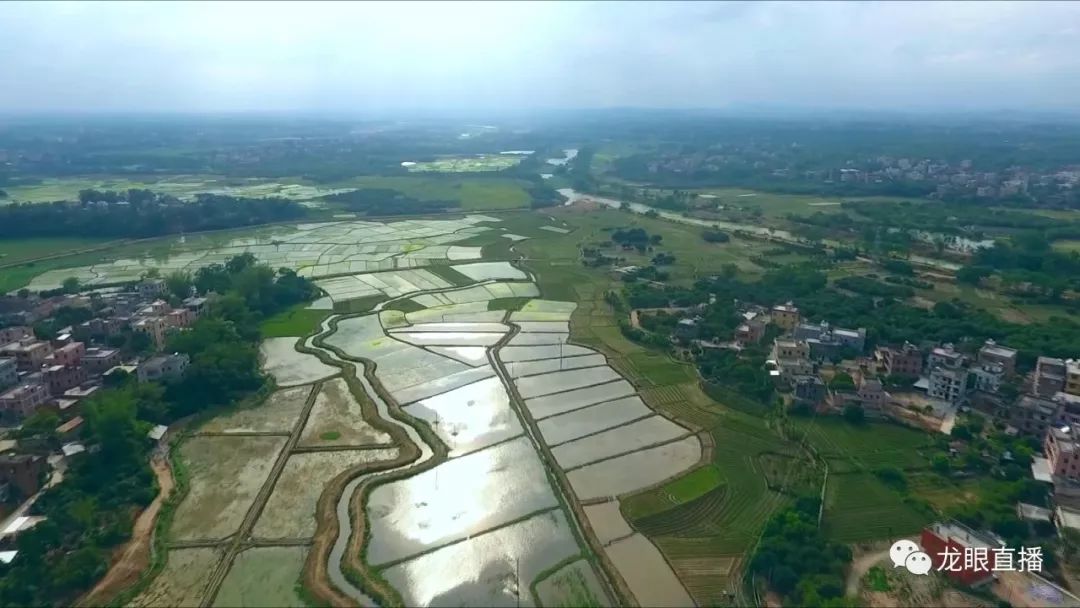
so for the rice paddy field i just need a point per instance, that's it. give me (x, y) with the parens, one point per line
(336, 419)
(465, 164)
(263, 576)
(278, 415)
(290, 367)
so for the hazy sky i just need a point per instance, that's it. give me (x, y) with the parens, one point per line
(341, 57)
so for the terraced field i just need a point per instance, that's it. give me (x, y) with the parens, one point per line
(858, 507)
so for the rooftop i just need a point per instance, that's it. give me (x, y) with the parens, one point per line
(789, 307)
(992, 348)
(963, 535)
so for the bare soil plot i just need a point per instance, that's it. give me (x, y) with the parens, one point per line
(572, 586)
(337, 419)
(290, 367)
(643, 568)
(226, 473)
(263, 576)
(278, 414)
(607, 521)
(290, 511)
(492, 569)
(183, 580)
(635, 470)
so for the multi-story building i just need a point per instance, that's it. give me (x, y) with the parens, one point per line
(988, 376)
(162, 367)
(992, 352)
(750, 332)
(196, 305)
(1049, 376)
(939, 538)
(1072, 376)
(1032, 415)
(155, 327)
(24, 471)
(809, 390)
(99, 360)
(1062, 448)
(785, 316)
(903, 361)
(9, 372)
(826, 342)
(60, 378)
(69, 354)
(180, 317)
(871, 395)
(948, 384)
(944, 356)
(21, 401)
(790, 349)
(14, 334)
(29, 353)
(151, 288)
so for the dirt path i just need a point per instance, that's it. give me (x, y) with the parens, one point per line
(135, 557)
(860, 566)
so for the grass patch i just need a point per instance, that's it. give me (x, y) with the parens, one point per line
(514, 303)
(296, 321)
(877, 580)
(20, 250)
(330, 436)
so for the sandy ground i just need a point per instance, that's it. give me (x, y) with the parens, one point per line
(135, 556)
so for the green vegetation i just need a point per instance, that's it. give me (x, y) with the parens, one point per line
(330, 436)
(295, 322)
(471, 194)
(92, 510)
(512, 303)
(452, 276)
(860, 507)
(687, 488)
(797, 560)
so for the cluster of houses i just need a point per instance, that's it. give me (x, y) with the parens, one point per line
(57, 375)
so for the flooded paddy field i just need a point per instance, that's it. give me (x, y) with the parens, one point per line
(312, 250)
(517, 369)
(560, 382)
(337, 419)
(560, 403)
(225, 475)
(484, 271)
(593, 419)
(278, 414)
(538, 338)
(635, 470)
(607, 521)
(643, 568)
(263, 576)
(290, 367)
(532, 353)
(471, 417)
(450, 327)
(459, 498)
(619, 440)
(575, 584)
(491, 569)
(447, 338)
(469, 355)
(290, 512)
(544, 326)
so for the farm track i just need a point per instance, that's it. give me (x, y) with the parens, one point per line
(237, 543)
(136, 555)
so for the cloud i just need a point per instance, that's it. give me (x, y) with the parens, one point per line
(344, 57)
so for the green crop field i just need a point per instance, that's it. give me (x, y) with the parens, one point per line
(297, 321)
(858, 507)
(474, 194)
(685, 489)
(20, 250)
(868, 445)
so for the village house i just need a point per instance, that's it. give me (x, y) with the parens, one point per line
(785, 316)
(905, 361)
(162, 367)
(22, 401)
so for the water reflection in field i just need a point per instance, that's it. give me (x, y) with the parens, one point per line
(471, 417)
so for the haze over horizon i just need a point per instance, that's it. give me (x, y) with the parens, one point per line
(344, 57)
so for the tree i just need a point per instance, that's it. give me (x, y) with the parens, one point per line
(70, 285)
(179, 284)
(23, 293)
(854, 413)
(715, 236)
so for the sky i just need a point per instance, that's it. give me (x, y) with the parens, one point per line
(358, 57)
